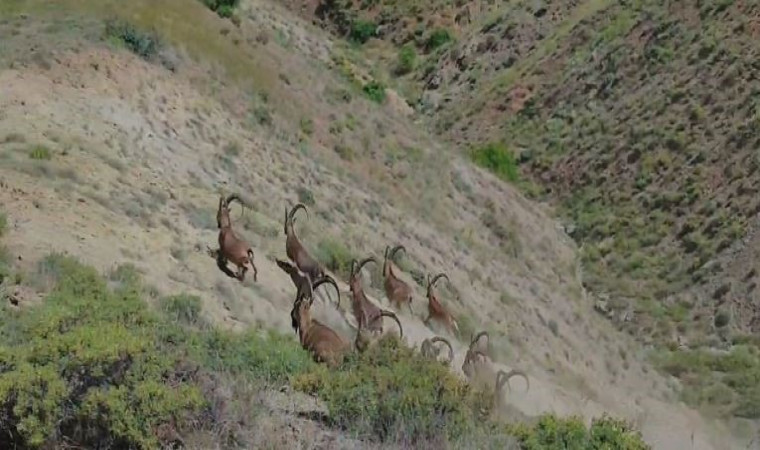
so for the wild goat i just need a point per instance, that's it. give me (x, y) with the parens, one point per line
(397, 290)
(231, 247)
(367, 314)
(436, 311)
(366, 338)
(324, 344)
(295, 250)
(428, 349)
(302, 280)
(478, 369)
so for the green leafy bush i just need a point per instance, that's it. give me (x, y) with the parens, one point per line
(224, 8)
(362, 31)
(335, 256)
(3, 223)
(551, 432)
(498, 159)
(87, 365)
(96, 368)
(437, 38)
(375, 91)
(145, 44)
(407, 60)
(390, 393)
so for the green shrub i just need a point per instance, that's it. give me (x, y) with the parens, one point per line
(87, 365)
(145, 44)
(375, 91)
(96, 368)
(40, 153)
(307, 126)
(437, 38)
(498, 159)
(389, 392)
(269, 357)
(551, 432)
(407, 60)
(3, 223)
(362, 31)
(335, 256)
(224, 8)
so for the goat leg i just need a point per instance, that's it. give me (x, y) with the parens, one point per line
(221, 262)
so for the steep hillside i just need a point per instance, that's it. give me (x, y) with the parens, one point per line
(639, 121)
(116, 142)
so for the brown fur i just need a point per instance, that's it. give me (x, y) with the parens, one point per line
(294, 248)
(321, 341)
(231, 247)
(397, 291)
(301, 280)
(436, 311)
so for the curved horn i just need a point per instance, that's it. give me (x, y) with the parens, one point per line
(329, 280)
(503, 377)
(477, 338)
(395, 249)
(285, 223)
(232, 197)
(386, 313)
(448, 344)
(353, 268)
(295, 209)
(365, 261)
(437, 277)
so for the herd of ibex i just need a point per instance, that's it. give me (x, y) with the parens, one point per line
(322, 342)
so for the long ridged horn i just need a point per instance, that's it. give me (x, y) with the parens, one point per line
(329, 280)
(477, 337)
(448, 344)
(503, 377)
(295, 209)
(386, 313)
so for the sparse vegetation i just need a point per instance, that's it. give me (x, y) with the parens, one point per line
(40, 153)
(145, 44)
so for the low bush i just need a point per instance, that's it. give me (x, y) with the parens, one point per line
(498, 159)
(552, 432)
(362, 31)
(407, 60)
(375, 91)
(143, 43)
(335, 256)
(390, 393)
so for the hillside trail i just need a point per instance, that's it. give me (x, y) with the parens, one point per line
(138, 156)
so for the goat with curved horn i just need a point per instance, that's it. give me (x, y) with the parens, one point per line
(301, 279)
(436, 311)
(366, 313)
(397, 291)
(428, 349)
(321, 341)
(231, 246)
(295, 250)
